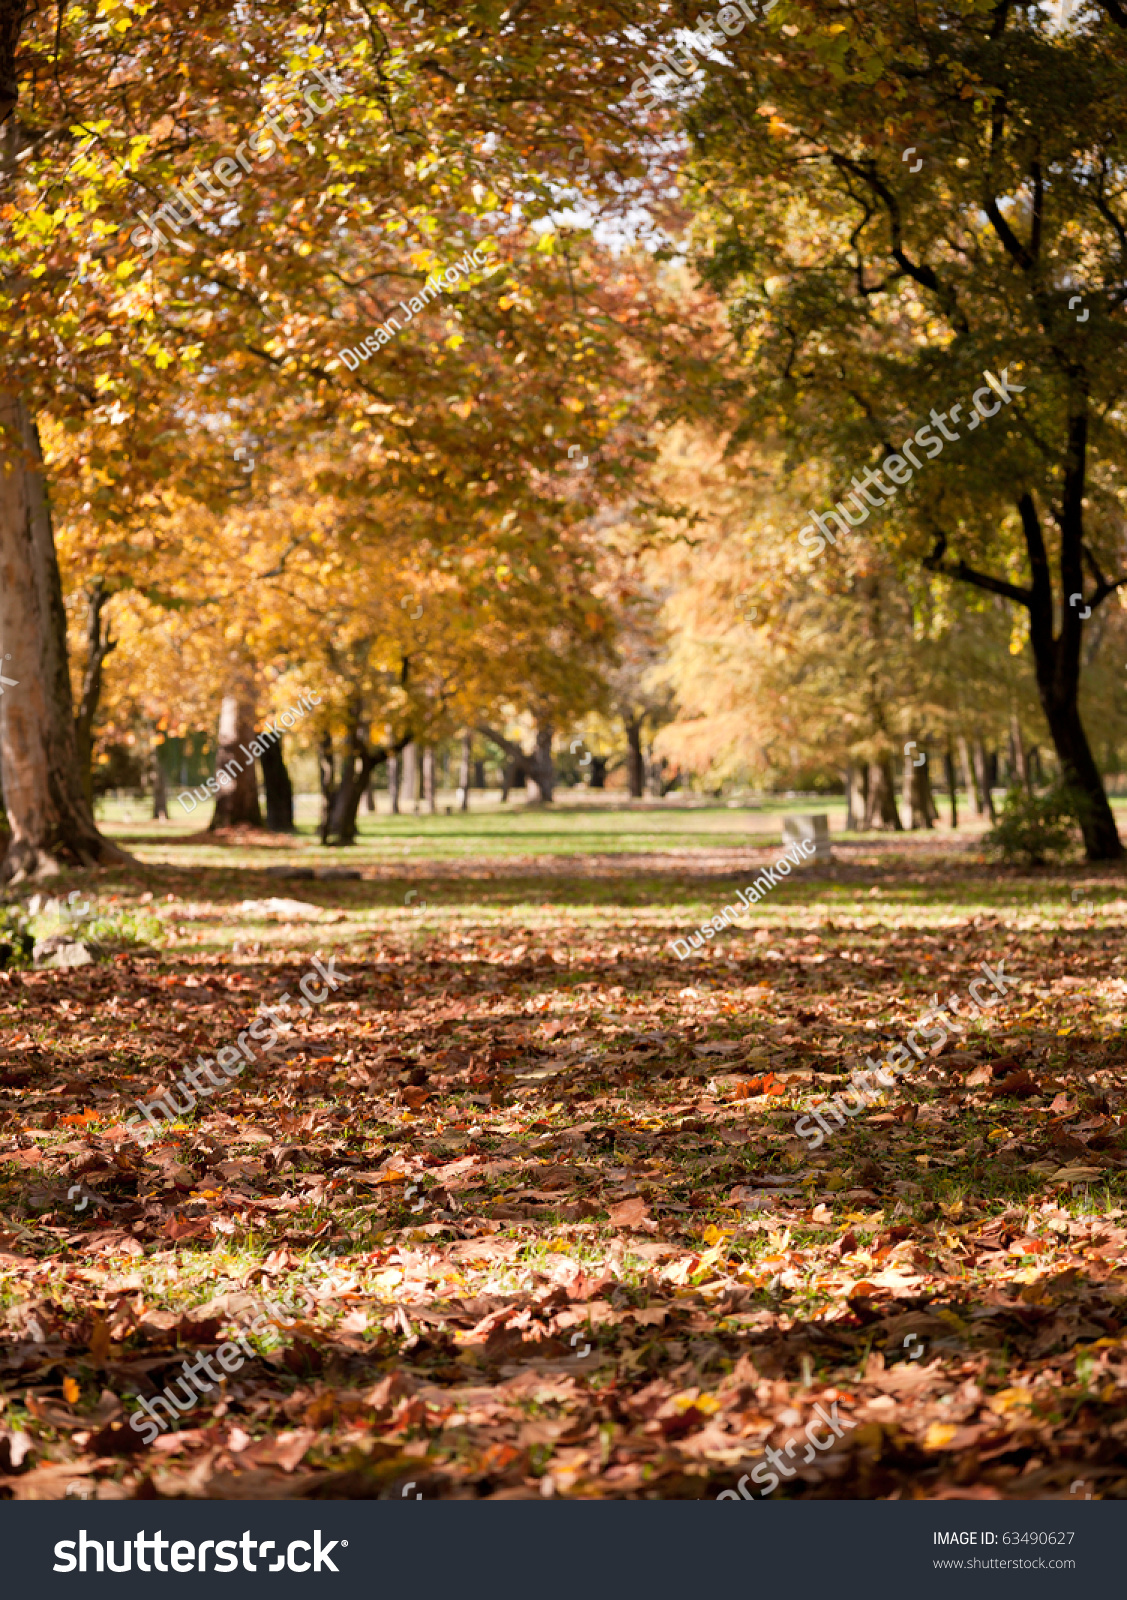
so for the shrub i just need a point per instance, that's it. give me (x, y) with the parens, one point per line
(1033, 827)
(16, 943)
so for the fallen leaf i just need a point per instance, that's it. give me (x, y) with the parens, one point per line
(631, 1214)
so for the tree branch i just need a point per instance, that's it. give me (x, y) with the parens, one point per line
(921, 274)
(510, 749)
(1104, 586)
(935, 562)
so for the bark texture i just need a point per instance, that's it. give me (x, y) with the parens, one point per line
(98, 647)
(51, 820)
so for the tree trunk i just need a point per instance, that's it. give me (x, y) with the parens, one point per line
(598, 778)
(393, 784)
(99, 645)
(970, 778)
(236, 804)
(929, 798)
(430, 798)
(541, 769)
(919, 810)
(537, 770)
(160, 789)
(1017, 745)
(51, 820)
(277, 785)
(464, 771)
(635, 762)
(357, 764)
(410, 778)
(1080, 773)
(949, 775)
(912, 819)
(880, 803)
(923, 800)
(982, 778)
(854, 798)
(11, 22)
(859, 798)
(1057, 658)
(326, 773)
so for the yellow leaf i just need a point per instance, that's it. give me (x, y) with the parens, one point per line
(711, 1257)
(71, 1391)
(691, 1400)
(938, 1435)
(1010, 1400)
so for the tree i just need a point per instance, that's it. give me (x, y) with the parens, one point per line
(858, 667)
(866, 296)
(226, 307)
(48, 811)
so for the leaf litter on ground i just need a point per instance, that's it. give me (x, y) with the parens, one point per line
(526, 1209)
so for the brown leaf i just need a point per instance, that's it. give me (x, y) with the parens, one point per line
(291, 1447)
(1021, 1083)
(632, 1214)
(117, 1438)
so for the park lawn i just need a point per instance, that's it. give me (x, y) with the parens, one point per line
(521, 1210)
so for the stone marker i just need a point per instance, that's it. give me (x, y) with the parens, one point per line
(60, 950)
(797, 830)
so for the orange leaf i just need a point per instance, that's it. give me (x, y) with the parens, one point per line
(100, 1340)
(79, 1119)
(71, 1391)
